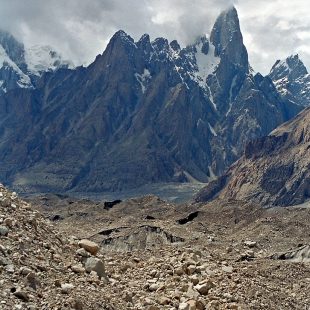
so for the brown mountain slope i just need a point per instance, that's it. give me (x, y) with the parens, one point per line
(274, 170)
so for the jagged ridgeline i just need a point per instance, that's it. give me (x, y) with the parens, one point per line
(142, 112)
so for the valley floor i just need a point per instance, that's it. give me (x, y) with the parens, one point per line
(218, 256)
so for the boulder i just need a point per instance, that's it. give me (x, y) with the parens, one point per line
(95, 264)
(89, 246)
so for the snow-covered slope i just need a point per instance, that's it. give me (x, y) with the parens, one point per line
(43, 58)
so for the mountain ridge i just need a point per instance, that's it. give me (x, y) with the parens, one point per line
(274, 170)
(142, 112)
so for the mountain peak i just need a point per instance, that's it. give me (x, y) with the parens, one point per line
(291, 79)
(292, 65)
(122, 36)
(227, 38)
(226, 30)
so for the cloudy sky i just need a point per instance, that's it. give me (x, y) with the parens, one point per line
(80, 29)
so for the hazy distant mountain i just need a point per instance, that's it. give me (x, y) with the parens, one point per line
(274, 170)
(142, 112)
(20, 67)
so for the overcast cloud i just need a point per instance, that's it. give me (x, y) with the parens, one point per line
(80, 29)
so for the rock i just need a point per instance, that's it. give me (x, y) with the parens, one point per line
(128, 297)
(183, 306)
(191, 292)
(81, 252)
(32, 280)
(190, 269)
(192, 304)
(4, 261)
(66, 288)
(95, 264)
(227, 269)
(194, 279)
(4, 231)
(24, 270)
(19, 293)
(8, 222)
(89, 246)
(57, 283)
(6, 203)
(164, 301)
(77, 304)
(10, 268)
(203, 288)
(250, 244)
(78, 268)
(179, 271)
(153, 287)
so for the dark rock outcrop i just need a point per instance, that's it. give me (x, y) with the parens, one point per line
(274, 170)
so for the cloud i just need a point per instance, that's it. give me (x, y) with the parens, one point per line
(81, 29)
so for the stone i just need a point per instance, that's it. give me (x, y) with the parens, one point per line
(4, 230)
(153, 287)
(164, 301)
(89, 246)
(32, 280)
(78, 268)
(6, 203)
(228, 269)
(190, 269)
(183, 306)
(204, 288)
(66, 288)
(77, 304)
(179, 271)
(81, 252)
(192, 304)
(8, 222)
(19, 293)
(24, 270)
(4, 261)
(250, 244)
(95, 264)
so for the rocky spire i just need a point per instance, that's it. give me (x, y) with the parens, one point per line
(227, 38)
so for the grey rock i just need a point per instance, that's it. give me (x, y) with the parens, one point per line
(4, 230)
(97, 265)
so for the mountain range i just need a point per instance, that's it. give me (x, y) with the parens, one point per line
(142, 112)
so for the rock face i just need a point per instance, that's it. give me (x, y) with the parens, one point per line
(274, 170)
(142, 112)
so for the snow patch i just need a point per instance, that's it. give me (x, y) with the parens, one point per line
(206, 64)
(212, 130)
(233, 84)
(143, 79)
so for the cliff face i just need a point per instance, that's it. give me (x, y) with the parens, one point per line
(274, 170)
